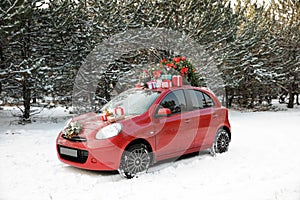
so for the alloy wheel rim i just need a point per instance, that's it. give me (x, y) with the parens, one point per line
(137, 161)
(223, 142)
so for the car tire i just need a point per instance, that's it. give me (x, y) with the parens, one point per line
(221, 142)
(135, 159)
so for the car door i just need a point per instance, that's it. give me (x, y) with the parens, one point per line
(173, 134)
(202, 115)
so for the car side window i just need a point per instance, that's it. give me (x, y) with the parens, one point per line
(200, 100)
(196, 99)
(208, 102)
(175, 101)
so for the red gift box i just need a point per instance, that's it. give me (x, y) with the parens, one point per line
(166, 84)
(151, 84)
(119, 111)
(103, 117)
(158, 83)
(177, 81)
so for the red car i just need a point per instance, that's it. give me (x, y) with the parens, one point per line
(152, 125)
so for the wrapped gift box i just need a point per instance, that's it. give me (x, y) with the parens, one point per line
(166, 84)
(119, 111)
(103, 117)
(158, 83)
(177, 81)
(111, 119)
(166, 77)
(151, 84)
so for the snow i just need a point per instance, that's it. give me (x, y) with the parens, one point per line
(262, 163)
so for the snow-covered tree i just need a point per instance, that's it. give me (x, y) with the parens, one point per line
(44, 43)
(43, 47)
(20, 62)
(248, 60)
(285, 17)
(208, 22)
(69, 31)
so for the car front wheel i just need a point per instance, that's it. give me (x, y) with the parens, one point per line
(135, 159)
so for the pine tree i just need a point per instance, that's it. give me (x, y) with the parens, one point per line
(21, 64)
(208, 22)
(69, 42)
(247, 59)
(285, 31)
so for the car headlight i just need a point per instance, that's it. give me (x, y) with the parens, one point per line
(109, 131)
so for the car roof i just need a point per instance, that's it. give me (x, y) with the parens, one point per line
(186, 87)
(182, 87)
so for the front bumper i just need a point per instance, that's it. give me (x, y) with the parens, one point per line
(94, 155)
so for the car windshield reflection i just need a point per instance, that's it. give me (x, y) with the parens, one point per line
(134, 101)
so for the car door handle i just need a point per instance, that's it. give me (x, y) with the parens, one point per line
(215, 115)
(187, 120)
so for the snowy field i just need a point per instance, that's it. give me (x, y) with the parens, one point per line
(263, 163)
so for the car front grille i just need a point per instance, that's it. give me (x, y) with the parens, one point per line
(81, 157)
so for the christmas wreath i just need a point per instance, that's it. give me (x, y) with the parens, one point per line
(72, 130)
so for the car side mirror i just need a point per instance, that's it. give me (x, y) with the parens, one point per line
(164, 112)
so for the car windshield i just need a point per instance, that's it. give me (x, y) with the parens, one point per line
(133, 101)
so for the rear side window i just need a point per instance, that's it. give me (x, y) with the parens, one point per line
(199, 100)
(175, 101)
(207, 101)
(196, 99)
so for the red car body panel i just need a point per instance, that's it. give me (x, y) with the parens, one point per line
(167, 137)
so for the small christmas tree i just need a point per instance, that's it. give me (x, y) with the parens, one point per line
(175, 66)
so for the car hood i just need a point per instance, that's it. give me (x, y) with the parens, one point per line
(91, 123)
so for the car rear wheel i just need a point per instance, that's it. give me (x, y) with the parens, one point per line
(136, 159)
(222, 141)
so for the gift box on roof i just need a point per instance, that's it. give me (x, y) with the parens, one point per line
(166, 77)
(166, 84)
(158, 83)
(151, 84)
(177, 80)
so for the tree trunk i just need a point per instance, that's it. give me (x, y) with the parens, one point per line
(226, 98)
(229, 95)
(291, 100)
(292, 93)
(297, 99)
(26, 101)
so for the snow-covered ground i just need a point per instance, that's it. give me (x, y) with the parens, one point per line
(263, 163)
